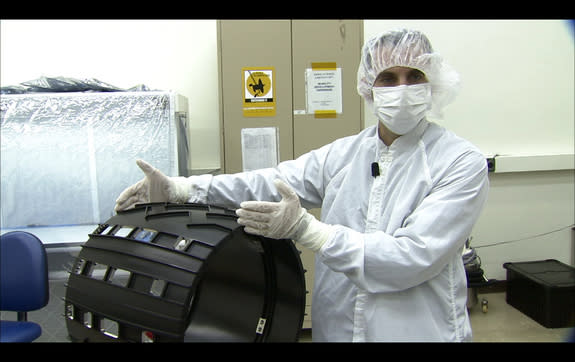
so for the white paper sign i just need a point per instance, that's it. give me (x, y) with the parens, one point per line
(260, 148)
(323, 90)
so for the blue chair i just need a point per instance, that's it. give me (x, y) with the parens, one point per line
(23, 284)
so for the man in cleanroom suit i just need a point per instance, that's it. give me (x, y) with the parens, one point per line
(398, 200)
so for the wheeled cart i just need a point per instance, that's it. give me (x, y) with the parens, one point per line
(475, 277)
(472, 297)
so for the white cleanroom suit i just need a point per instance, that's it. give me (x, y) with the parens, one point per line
(393, 270)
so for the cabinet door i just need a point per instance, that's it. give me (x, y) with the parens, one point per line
(326, 41)
(254, 43)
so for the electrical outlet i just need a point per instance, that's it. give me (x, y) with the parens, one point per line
(490, 164)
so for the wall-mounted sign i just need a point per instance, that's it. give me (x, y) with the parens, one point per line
(323, 90)
(260, 148)
(258, 84)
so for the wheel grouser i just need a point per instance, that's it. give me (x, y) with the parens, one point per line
(164, 272)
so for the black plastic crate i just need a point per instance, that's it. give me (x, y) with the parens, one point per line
(544, 290)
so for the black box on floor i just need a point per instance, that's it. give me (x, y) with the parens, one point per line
(544, 290)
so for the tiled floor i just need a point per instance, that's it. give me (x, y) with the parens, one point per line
(501, 322)
(504, 323)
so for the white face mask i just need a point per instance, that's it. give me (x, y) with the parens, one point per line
(401, 108)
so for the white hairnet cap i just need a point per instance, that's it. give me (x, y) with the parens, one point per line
(407, 48)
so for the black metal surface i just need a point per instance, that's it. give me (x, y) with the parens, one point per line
(184, 273)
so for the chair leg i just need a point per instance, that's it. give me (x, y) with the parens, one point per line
(22, 316)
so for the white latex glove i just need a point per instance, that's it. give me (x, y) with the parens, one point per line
(154, 187)
(283, 220)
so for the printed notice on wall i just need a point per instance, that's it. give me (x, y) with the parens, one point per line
(258, 92)
(260, 148)
(323, 91)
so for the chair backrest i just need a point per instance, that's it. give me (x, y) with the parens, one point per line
(23, 272)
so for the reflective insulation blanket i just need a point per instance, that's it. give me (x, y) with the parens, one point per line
(65, 157)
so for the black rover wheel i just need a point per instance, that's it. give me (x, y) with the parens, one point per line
(184, 273)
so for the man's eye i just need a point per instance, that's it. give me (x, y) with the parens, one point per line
(386, 79)
(417, 76)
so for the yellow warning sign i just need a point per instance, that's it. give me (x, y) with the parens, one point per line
(258, 92)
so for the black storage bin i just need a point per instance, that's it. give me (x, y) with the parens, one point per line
(544, 290)
(184, 273)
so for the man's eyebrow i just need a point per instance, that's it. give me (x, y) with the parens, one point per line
(385, 72)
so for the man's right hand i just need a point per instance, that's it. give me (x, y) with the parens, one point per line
(154, 187)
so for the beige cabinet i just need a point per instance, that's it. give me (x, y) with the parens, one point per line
(291, 49)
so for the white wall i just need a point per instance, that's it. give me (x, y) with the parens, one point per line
(523, 205)
(178, 55)
(517, 98)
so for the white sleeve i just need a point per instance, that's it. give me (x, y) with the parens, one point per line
(304, 175)
(199, 188)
